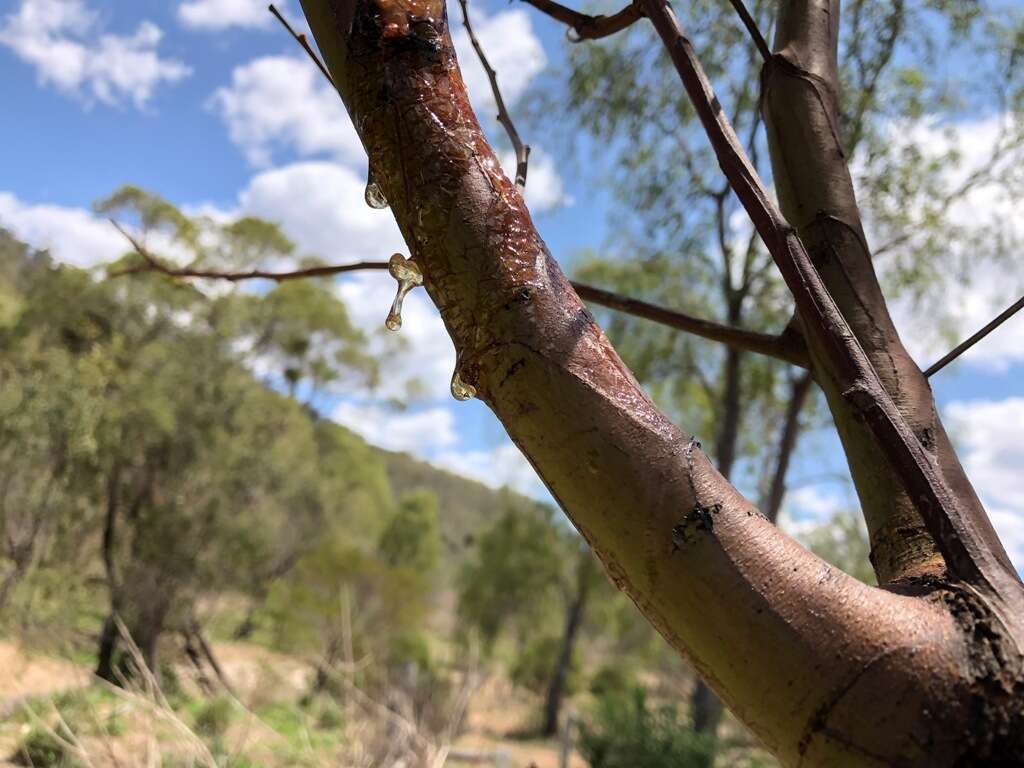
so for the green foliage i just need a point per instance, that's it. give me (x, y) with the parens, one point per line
(42, 749)
(534, 665)
(410, 539)
(510, 581)
(627, 731)
(214, 717)
(612, 680)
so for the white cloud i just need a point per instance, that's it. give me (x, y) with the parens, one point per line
(500, 467)
(283, 103)
(966, 305)
(418, 432)
(988, 433)
(72, 235)
(320, 206)
(63, 40)
(215, 15)
(280, 104)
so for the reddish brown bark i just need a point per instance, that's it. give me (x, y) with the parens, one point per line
(825, 670)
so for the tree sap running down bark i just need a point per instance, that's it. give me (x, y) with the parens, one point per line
(812, 660)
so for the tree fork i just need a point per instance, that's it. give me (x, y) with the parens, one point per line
(812, 660)
(801, 108)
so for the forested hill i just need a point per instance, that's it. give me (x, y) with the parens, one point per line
(60, 326)
(468, 506)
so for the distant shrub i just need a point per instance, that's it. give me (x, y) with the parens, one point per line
(535, 665)
(625, 731)
(41, 749)
(214, 717)
(612, 680)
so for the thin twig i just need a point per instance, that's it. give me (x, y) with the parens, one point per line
(752, 30)
(786, 347)
(304, 42)
(969, 342)
(522, 150)
(960, 535)
(153, 264)
(588, 27)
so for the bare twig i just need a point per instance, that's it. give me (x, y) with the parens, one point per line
(786, 347)
(969, 342)
(304, 42)
(752, 30)
(153, 264)
(588, 27)
(959, 536)
(522, 150)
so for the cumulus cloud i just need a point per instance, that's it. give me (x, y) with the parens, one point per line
(280, 105)
(963, 151)
(213, 15)
(499, 467)
(283, 103)
(988, 434)
(64, 42)
(72, 235)
(320, 206)
(417, 432)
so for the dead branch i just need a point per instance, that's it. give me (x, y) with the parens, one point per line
(786, 347)
(974, 338)
(304, 42)
(522, 150)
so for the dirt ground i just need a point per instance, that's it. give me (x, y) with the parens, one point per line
(496, 711)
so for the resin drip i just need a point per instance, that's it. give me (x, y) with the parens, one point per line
(374, 195)
(408, 275)
(460, 389)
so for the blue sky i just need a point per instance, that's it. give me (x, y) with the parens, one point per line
(210, 104)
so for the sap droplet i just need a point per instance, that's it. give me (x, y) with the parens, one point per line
(374, 195)
(460, 389)
(408, 275)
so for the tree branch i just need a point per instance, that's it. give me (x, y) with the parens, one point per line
(752, 30)
(963, 544)
(588, 27)
(690, 551)
(786, 347)
(301, 40)
(153, 264)
(974, 338)
(522, 150)
(799, 389)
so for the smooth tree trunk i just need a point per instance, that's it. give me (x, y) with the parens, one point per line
(827, 671)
